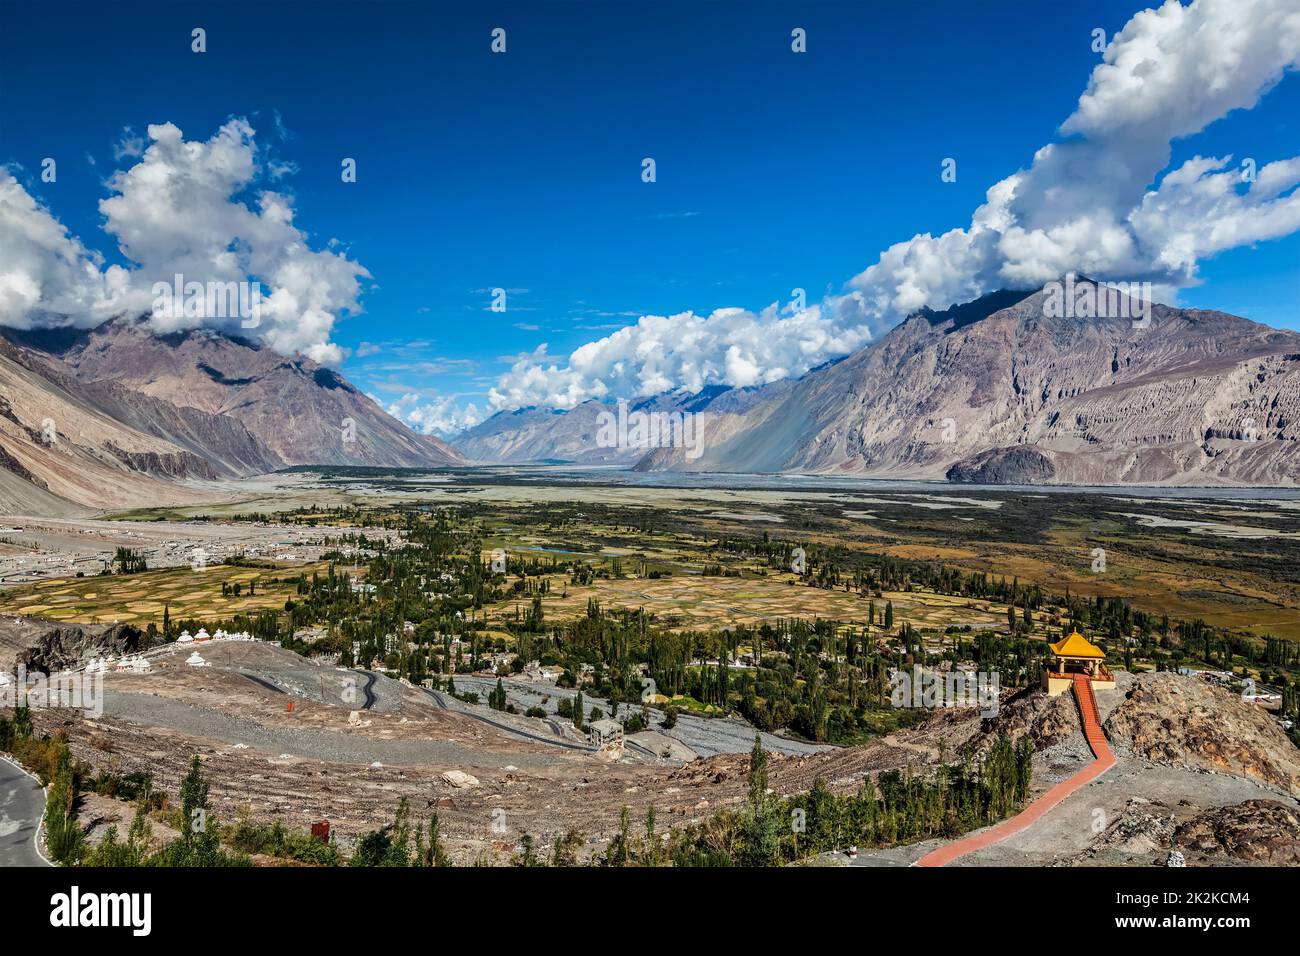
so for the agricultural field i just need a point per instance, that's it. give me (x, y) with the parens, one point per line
(691, 601)
(140, 599)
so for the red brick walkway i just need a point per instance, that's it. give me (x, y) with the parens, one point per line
(1104, 760)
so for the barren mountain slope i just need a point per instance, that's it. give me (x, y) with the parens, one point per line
(539, 434)
(1096, 400)
(55, 445)
(220, 440)
(298, 410)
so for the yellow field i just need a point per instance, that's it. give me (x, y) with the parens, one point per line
(694, 602)
(140, 598)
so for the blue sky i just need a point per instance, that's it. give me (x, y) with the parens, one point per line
(522, 170)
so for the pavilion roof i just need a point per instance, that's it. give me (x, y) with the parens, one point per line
(1076, 645)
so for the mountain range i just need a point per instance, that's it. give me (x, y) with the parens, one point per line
(999, 390)
(118, 416)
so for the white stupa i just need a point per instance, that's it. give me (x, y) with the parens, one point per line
(203, 635)
(185, 638)
(136, 664)
(194, 660)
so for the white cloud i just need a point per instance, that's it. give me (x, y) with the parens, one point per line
(129, 146)
(438, 417)
(1084, 203)
(178, 211)
(181, 209)
(1088, 203)
(682, 351)
(48, 277)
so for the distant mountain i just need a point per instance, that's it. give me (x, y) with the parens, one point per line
(573, 435)
(102, 417)
(1004, 390)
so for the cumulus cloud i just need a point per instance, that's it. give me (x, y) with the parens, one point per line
(686, 350)
(182, 209)
(1089, 202)
(48, 277)
(441, 416)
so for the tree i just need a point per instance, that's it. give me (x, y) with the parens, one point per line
(670, 717)
(527, 853)
(566, 849)
(619, 853)
(399, 853)
(372, 848)
(22, 719)
(436, 853)
(133, 853)
(198, 844)
(762, 822)
(62, 832)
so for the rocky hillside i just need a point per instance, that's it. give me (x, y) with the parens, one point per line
(1166, 718)
(57, 447)
(116, 416)
(187, 428)
(1155, 832)
(1263, 832)
(1030, 712)
(49, 647)
(539, 435)
(1183, 721)
(998, 391)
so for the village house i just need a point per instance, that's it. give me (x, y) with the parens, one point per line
(603, 732)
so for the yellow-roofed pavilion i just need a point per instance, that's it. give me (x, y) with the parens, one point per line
(1074, 655)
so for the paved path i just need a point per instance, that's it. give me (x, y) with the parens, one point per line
(369, 689)
(22, 804)
(1104, 760)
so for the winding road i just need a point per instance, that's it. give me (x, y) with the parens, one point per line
(369, 689)
(22, 803)
(441, 701)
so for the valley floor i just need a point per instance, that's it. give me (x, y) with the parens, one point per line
(284, 738)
